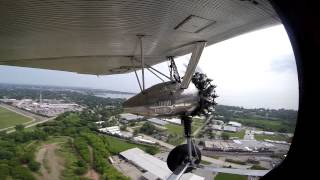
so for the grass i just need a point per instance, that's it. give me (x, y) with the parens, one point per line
(258, 167)
(225, 176)
(9, 118)
(71, 158)
(214, 156)
(205, 162)
(236, 161)
(267, 125)
(46, 162)
(278, 137)
(239, 134)
(117, 145)
(176, 131)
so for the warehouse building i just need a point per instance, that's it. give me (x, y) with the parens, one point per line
(157, 121)
(127, 117)
(153, 168)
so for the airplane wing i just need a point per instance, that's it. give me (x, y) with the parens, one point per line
(100, 37)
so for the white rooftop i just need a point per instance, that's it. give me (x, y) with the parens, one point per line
(233, 123)
(157, 121)
(230, 128)
(129, 117)
(153, 165)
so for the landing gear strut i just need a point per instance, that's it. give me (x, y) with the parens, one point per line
(185, 153)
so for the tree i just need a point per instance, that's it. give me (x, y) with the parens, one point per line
(33, 165)
(123, 128)
(4, 171)
(225, 136)
(19, 127)
(135, 132)
(148, 128)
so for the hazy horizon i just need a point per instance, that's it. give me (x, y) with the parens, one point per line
(254, 70)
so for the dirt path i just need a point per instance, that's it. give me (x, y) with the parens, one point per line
(91, 174)
(51, 164)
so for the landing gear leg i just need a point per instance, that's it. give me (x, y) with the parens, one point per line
(185, 153)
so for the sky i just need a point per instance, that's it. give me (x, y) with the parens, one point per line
(253, 70)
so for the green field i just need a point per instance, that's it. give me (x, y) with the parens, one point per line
(117, 145)
(205, 162)
(267, 125)
(225, 176)
(174, 129)
(258, 167)
(178, 129)
(278, 137)
(9, 118)
(239, 134)
(176, 135)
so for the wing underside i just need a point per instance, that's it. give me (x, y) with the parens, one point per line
(100, 37)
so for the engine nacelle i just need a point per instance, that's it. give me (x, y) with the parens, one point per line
(164, 99)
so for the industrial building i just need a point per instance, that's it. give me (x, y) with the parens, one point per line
(216, 127)
(157, 121)
(173, 120)
(140, 139)
(45, 107)
(230, 128)
(153, 168)
(114, 130)
(234, 124)
(127, 117)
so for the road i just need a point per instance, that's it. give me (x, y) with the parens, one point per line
(34, 124)
(51, 164)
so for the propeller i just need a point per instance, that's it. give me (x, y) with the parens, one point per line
(207, 94)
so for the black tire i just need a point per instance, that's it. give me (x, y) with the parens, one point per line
(179, 155)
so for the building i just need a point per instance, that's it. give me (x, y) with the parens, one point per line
(114, 130)
(153, 167)
(230, 128)
(99, 122)
(140, 139)
(216, 127)
(217, 122)
(127, 117)
(157, 121)
(234, 124)
(239, 146)
(173, 120)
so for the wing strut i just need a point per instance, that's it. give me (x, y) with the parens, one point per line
(135, 72)
(155, 74)
(142, 59)
(174, 74)
(195, 57)
(148, 66)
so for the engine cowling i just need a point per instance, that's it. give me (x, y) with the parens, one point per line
(168, 99)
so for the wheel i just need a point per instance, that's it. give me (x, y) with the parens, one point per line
(179, 155)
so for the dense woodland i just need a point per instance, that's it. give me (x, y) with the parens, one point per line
(281, 120)
(17, 155)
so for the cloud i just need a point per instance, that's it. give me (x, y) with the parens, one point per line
(284, 64)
